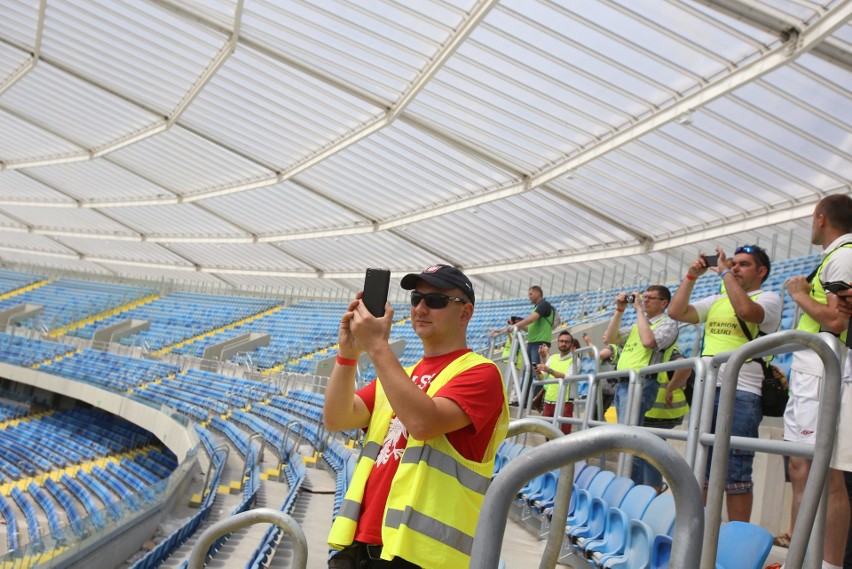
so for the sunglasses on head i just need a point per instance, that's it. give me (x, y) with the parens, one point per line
(434, 299)
(750, 249)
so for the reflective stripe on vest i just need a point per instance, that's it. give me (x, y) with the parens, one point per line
(634, 355)
(722, 330)
(806, 322)
(679, 408)
(551, 392)
(417, 525)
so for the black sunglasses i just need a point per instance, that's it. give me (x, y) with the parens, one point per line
(434, 299)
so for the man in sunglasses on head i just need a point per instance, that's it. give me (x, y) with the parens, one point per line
(731, 319)
(432, 431)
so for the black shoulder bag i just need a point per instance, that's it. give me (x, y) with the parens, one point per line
(774, 393)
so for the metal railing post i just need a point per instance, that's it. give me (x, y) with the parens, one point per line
(562, 497)
(258, 516)
(689, 525)
(212, 465)
(825, 347)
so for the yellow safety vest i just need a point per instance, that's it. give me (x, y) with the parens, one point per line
(551, 392)
(436, 494)
(634, 355)
(722, 330)
(679, 408)
(806, 322)
(507, 351)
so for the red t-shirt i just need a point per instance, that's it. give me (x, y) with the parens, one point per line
(478, 391)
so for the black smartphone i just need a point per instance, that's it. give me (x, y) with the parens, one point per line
(711, 260)
(836, 286)
(376, 285)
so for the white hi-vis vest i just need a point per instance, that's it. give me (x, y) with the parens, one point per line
(436, 494)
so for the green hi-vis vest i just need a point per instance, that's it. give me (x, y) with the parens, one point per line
(806, 322)
(551, 392)
(723, 332)
(436, 494)
(679, 408)
(507, 351)
(541, 330)
(635, 356)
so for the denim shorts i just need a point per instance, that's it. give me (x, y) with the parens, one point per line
(747, 417)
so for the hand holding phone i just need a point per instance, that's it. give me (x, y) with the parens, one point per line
(376, 284)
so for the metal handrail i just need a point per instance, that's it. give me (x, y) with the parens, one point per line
(258, 516)
(826, 347)
(689, 515)
(562, 497)
(212, 466)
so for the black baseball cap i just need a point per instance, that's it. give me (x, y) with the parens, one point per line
(440, 276)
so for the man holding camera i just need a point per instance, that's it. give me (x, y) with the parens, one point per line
(432, 432)
(647, 342)
(822, 311)
(732, 319)
(557, 366)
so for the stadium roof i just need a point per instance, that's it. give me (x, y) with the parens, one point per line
(290, 143)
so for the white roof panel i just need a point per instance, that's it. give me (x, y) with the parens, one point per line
(23, 141)
(520, 139)
(16, 186)
(19, 22)
(176, 221)
(270, 210)
(75, 220)
(74, 109)
(100, 181)
(187, 163)
(135, 49)
(263, 106)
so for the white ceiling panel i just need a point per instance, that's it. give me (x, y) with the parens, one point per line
(187, 163)
(267, 108)
(22, 141)
(262, 257)
(270, 210)
(100, 182)
(402, 161)
(123, 251)
(357, 252)
(18, 242)
(19, 22)
(18, 187)
(576, 144)
(74, 109)
(135, 49)
(75, 220)
(176, 221)
(377, 47)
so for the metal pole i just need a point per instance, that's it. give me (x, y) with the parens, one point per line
(562, 498)
(244, 519)
(829, 406)
(689, 525)
(212, 463)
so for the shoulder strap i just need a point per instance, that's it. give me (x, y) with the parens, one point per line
(811, 276)
(748, 335)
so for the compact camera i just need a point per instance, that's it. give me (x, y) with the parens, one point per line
(631, 298)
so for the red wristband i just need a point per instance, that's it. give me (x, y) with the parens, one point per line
(345, 361)
(619, 309)
(690, 277)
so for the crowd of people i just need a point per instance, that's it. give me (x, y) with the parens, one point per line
(432, 430)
